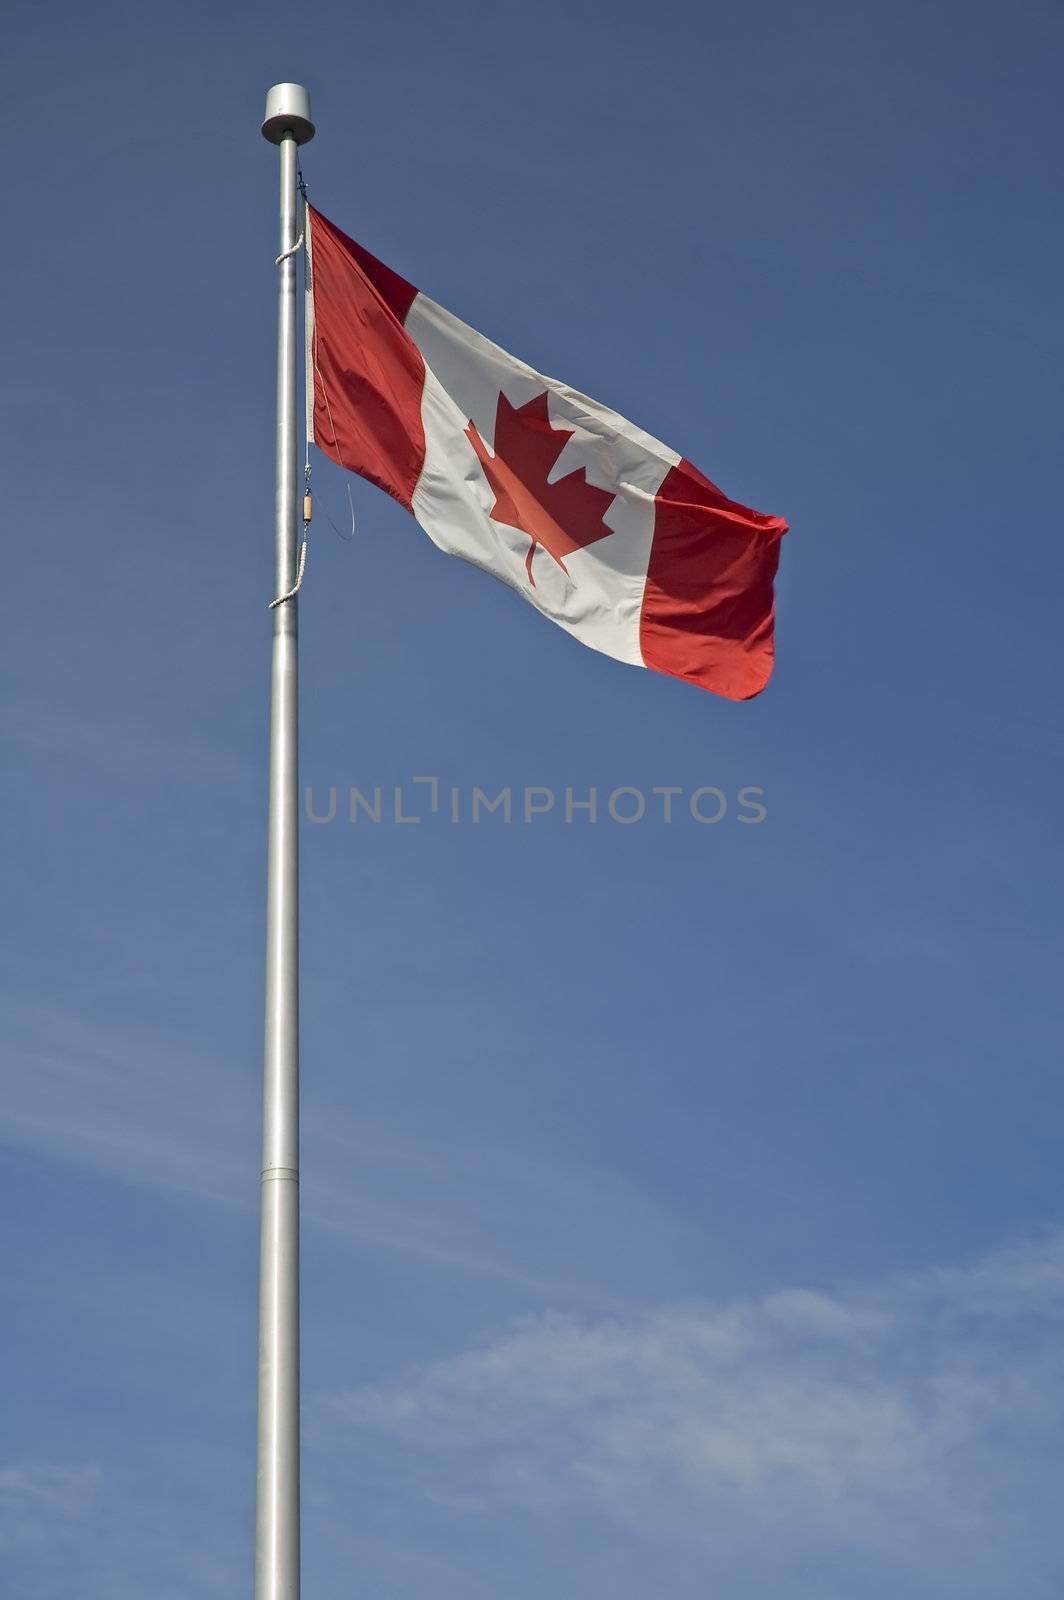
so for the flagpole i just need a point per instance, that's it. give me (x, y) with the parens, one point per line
(287, 125)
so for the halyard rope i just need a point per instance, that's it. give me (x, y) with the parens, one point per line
(286, 253)
(301, 563)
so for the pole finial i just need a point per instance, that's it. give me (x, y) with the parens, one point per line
(288, 111)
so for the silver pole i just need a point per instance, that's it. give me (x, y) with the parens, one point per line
(288, 125)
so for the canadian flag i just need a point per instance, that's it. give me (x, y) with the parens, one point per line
(605, 530)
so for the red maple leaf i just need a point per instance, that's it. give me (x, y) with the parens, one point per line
(562, 516)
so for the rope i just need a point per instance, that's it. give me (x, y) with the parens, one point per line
(301, 563)
(286, 253)
(300, 569)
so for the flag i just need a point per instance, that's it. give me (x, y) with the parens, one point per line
(608, 532)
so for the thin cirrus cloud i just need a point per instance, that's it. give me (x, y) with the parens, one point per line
(70, 1528)
(38, 1501)
(119, 1103)
(907, 1418)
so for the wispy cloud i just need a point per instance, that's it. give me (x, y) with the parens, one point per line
(39, 1501)
(117, 743)
(123, 1105)
(68, 1529)
(909, 1417)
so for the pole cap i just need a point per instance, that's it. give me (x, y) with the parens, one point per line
(288, 111)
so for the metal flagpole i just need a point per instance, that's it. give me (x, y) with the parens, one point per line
(287, 125)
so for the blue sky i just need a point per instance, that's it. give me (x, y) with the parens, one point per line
(682, 1204)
